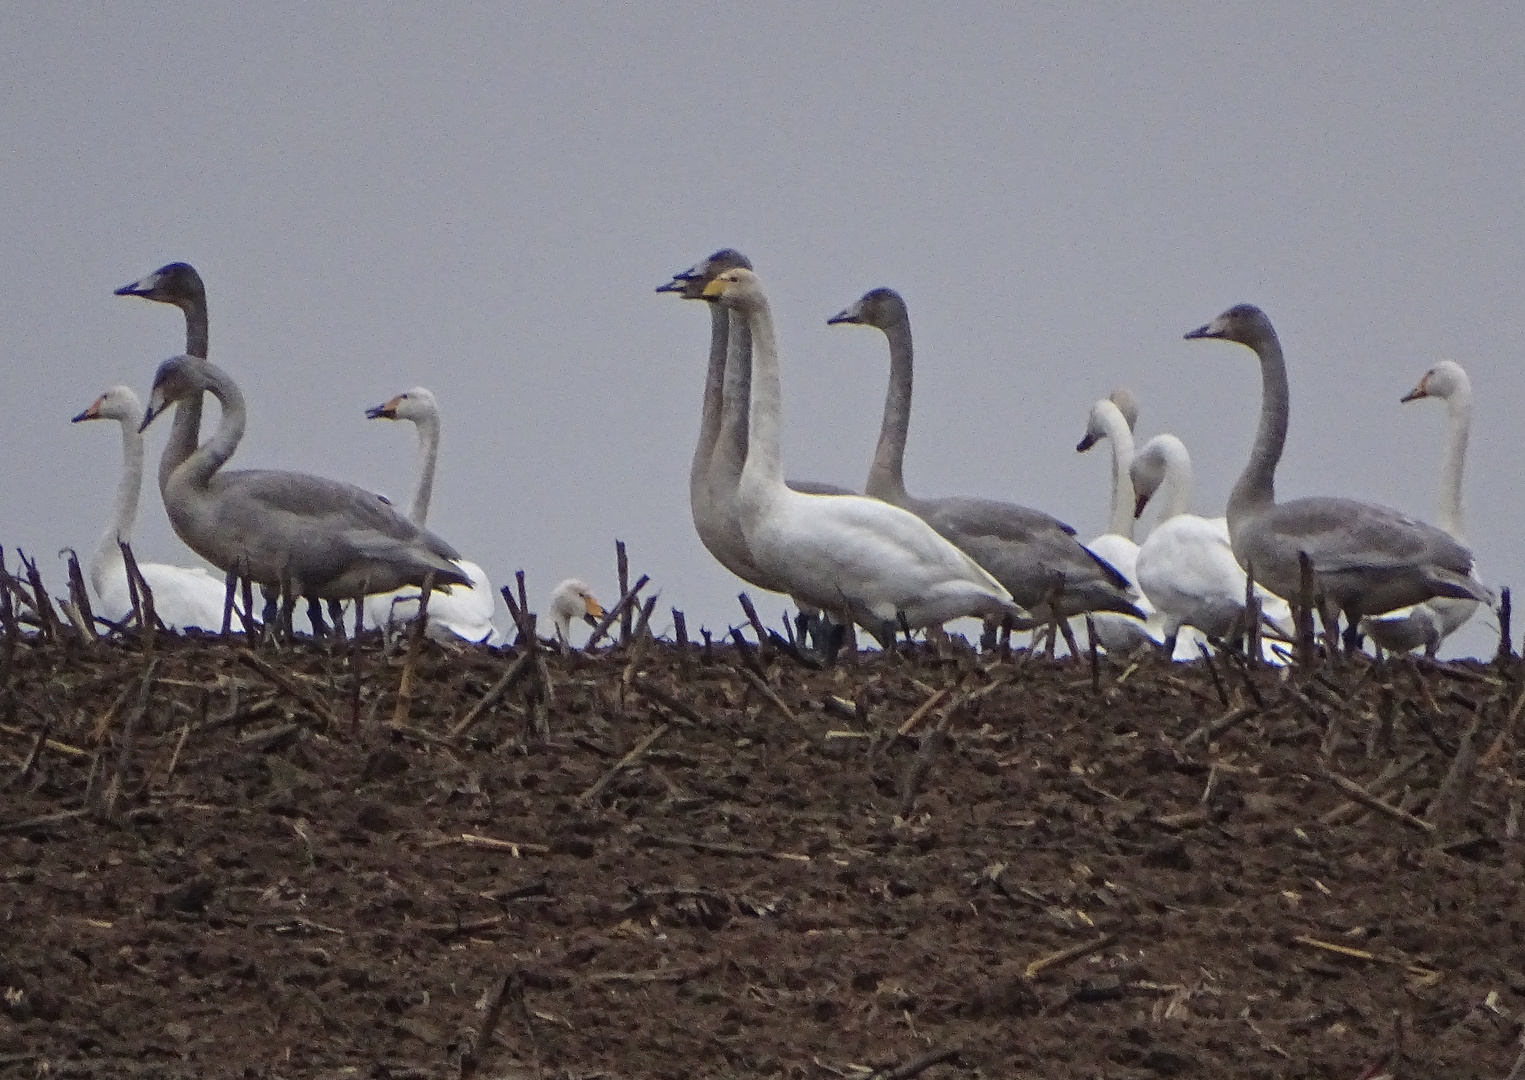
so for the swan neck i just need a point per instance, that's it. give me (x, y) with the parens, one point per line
(764, 459)
(1120, 438)
(1257, 484)
(886, 475)
(185, 429)
(731, 444)
(1458, 430)
(709, 416)
(213, 454)
(428, 456)
(1179, 482)
(124, 516)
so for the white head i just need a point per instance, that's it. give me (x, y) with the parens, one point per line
(1441, 381)
(737, 288)
(1152, 464)
(417, 405)
(572, 599)
(1119, 403)
(117, 403)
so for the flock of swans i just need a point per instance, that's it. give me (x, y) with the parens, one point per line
(884, 559)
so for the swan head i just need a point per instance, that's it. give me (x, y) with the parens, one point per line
(117, 403)
(737, 288)
(1244, 323)
(417, 404)
(175, 283)
(1127, 404)
(177, 378)
(691, 282)
(877, 307)
(1441, 381)
(1151, 465)
(1102, 412)
(573, 599)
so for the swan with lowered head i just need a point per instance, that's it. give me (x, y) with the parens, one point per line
(722, 449)
(1366, 559)
(1186, 566)
(1430, 623)
(462, 614)
(1113, 418)
(851, 555)
(183, 597)
(1029, 552)
(179, 285)
(329, 539)
(573, 599)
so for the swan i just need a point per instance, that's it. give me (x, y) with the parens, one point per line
(329, 539)
(1027, 551)
(462, 614)
(851, 555)
(1185, 565)
(1367, 559)
(1428, 624)
(1112, 418)
(179, 284)
(182, 597)
(572, 599)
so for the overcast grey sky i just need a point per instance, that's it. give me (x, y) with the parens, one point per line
(481, 199)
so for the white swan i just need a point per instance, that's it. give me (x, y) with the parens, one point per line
(1027, 551)
(328, 539)
(851, 555)
(1186, 566)
(463, 614)
(1112, 418)
(1430, 623)
(573, 599)
(183, 597)
(1366, 559)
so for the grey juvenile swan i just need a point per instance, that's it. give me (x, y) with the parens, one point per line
(1027, 551)
(330, 539)
(1366, 559)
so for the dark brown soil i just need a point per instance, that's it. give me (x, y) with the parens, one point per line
(252, 887)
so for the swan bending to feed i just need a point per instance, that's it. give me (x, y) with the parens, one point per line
(573, 599)
(463, 614)
(1430, 623)
(329, 539)
(851, 555)
(1366, 559)
(183, 597)
(1029, 552)
(1186, 566)
(721, 452)
(179, 285)
(1113, 418)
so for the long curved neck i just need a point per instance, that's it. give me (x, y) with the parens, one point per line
(764, 458)
(1256, 487)
(212, 455)
(186, 428)
(1179, 482)
(709, 416)
(428, 457)
(108, 553)
(886, 476)
(1120, 437)
(735, 425)
(1448, 513)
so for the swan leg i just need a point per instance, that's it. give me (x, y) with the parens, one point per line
(315, 617)
(1329, 617)
(336, 616)
(1352, 637)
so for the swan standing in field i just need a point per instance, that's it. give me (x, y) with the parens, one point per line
(851, 555)
(721, 451)
(328, 539)
(1430, 623)
(183, 597)
(573, 599)
(1029, 552)
(462, 614)
(1112, 418)
(1186, 565)
(1366, 559)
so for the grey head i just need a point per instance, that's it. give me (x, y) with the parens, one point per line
(175, 283)
(1127, 404)
(881, 308)
(690, 283)
(178, 378)
(1244, 323)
